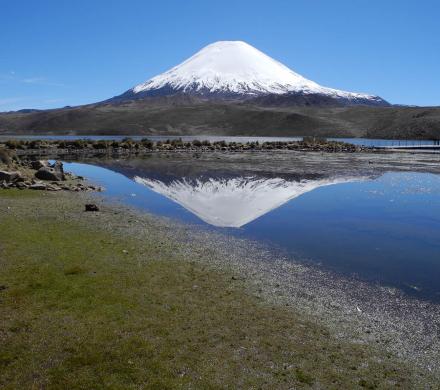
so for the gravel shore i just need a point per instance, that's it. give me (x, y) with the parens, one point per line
(352, 310)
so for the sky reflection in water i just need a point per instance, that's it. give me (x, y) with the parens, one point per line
(383, 230)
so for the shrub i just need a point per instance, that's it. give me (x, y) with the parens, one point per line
(12, 144)
(5, 157)
(146, 143)
(100, 145)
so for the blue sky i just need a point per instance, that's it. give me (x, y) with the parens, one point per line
(57, 53)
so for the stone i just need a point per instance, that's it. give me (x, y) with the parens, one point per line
(39, 164)
(4, 185)
(91, 207)
(21, 185)
(49, 174)
(58, 166)
(9, 177)
(37, 186)
(53, 188)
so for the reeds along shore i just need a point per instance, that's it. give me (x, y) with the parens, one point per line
(148, 145)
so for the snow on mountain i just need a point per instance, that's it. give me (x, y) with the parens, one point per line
(236, 68)
(234, 202)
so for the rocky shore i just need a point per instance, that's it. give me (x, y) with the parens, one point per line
(130, 146)
(40, 175)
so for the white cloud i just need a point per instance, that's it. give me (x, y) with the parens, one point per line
(7, 101)
(39, 80)
(33, 80)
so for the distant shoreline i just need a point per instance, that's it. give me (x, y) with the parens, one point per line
(130, 146)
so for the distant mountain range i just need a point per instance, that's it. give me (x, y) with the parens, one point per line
(231, 88)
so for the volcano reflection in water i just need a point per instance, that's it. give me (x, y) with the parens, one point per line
(233, 202)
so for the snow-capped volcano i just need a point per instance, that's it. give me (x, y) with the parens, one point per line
(234, 202)
(235, 69)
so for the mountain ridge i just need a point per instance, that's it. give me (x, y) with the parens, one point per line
(190, 116)
(170, 111)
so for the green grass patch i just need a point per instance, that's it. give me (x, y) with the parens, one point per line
(79, 312)
(13, 193)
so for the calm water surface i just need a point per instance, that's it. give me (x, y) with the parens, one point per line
(355, 141)
(383, 229)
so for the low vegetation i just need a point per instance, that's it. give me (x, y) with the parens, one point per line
(128, 145)
(84, 308)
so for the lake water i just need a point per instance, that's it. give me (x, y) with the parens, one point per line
(382, 228)
(355, 141)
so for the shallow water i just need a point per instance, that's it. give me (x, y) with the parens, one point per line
(382, 228)
(355, 141)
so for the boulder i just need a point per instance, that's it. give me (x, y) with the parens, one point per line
(39, 164)
(9, 177)
(91, 207)
(58, 166)
(50, 174)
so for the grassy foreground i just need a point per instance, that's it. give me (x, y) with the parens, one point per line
(82, 308)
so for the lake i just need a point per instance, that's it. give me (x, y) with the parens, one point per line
(370, 142)
(378, 225)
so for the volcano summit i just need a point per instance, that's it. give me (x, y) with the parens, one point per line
(236, 70)
(231, 88)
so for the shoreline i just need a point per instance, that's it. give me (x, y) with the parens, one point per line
(361, 311)
(396, 326)
(146, 146)
(354, 311)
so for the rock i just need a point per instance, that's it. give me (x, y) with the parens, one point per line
(91, 207)
(39, 164)
(58, 166)
(53, 188)
(9, 177)
(37, 186)
(4, 185)
(19, 179)
(54, 172)
(95, 188)
(50, 174)
(21, 185)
